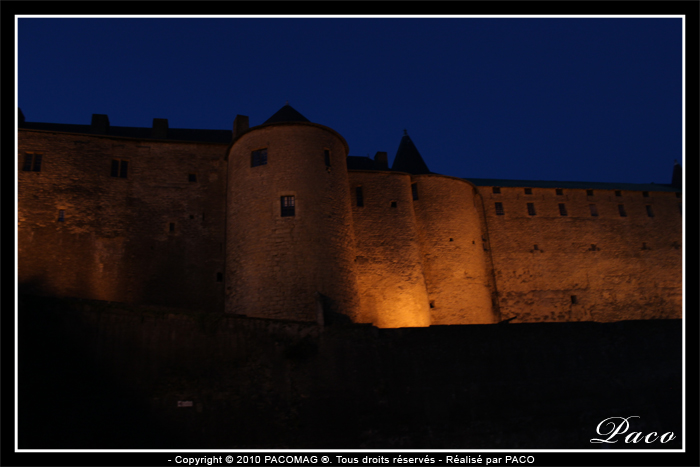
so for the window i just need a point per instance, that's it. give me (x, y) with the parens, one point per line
(414, 190)
(574, 300)
(497, 189)
(621, 208)
(650, 213)
(287, 203)
(528, 191)
(645, 194)
(258, 157)
(560, 192)
(562, 209)
(531, 209)
(32, 162)
(594, 210)
(393, 204)
(358, 196)
(219, 277)
(589, 192)
(327, 157)
(536, 248)
(499, 209)
(645, 247)
(61, 215)
(618, 193)
(171, 227)
(119, 168)
(192, 177)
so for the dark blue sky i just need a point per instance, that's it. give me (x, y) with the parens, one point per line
(571, 99)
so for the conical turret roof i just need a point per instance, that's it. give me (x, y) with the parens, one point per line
(286, 114)
(408, 159)
(677, 178)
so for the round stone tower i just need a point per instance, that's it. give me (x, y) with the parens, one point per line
(290, 248)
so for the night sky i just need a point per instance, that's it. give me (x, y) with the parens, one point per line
(567, 99)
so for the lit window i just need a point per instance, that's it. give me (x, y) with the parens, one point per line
(594, 210)
(531, 209)
(327, 157)
(258, 157)
(414, 190)
(499, 209)
(618, 193)
(528, 191)
(287, 203)
(562, 209)
(589, 192)
(61, 215)
(560, 192)
(621, 208)
(192, 177)
(32, 162)
(119, 168)
(358, 196)
(497, 189)
(650, 212)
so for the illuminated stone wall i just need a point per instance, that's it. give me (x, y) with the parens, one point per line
(389, 258)
(276, 265)
(115, 242)
(455, 262)
(633, 272)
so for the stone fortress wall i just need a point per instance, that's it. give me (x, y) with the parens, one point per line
(193, 225)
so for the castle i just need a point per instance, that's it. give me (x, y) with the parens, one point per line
(278, 221)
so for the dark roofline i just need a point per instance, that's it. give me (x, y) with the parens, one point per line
(142, 133)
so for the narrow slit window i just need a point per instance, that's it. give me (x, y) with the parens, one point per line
(497, 190)
(219, 277)
(358, 197)
(562, 209)
(414, 190)
(192, 178)
(171, 227)
(594, 210)
(28, 160)
(499, 209)
(645, 194)
(61, 215)
(531, 209)
(560, 192)
(327, 157)
(528, 191)
(36, 167)
(288, 204)
(574, 300)
(621, 208)
(618, 193)
(650, 212)
(393, 204)
(258, 157)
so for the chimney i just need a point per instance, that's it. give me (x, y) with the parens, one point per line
(160, 128)
(240, 125)
(20, 117)
(100, 124)
(380, 161)
(677, 178)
